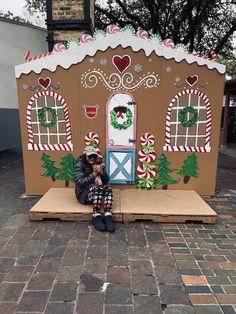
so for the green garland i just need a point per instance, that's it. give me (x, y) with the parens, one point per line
(42, 119)
(121, 126)
(183, 117)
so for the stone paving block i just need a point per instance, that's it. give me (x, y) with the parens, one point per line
(159, 247)
(6, 264)
(226, 299)
(54, 251)
(42, 234)
(194, 280)
(219, 280)
(179, 309)
(7, 307)
(96, 252)
(202, 299)
(230, 289)
(118, 236)
(58, 238)
(184, 257)
(95, 266)
(2, 277)
(59, 308)
(148, 304)
(136, 253)
(69, 274)
(144, 285)
(90, 283)
(118, 260)
(11, 251)
(19, 239)
(90, 303)
(217, 289)
(228, 309)
(173, 294)
(118, 274)
(197, 289)
(191, 272)
(19, 273)
(168, 275)
(11, 291)
(207, 309)
(41, 281)
(34, 301)
(141, 267)
(118, 294)
(164, 259)
(64, 292)
(119, 309)
(136, 238)
(186, 264)
(154, 236)
(48, 265)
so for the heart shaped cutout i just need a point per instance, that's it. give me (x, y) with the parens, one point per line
(191, 79)
(44, 82)
(121, 63)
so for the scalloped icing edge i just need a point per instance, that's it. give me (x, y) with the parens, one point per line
(76, 55)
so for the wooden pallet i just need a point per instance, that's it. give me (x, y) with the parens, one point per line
(165, 218)
(129, 206)
(165, 206)
(61, 203)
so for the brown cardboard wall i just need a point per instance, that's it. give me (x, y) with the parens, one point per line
(152, 104)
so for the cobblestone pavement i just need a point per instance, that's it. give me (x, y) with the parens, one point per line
(68, 267)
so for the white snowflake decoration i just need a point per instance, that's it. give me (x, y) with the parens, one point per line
(103, 61)
(138, 68)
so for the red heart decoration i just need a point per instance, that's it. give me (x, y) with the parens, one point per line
(121, 63)
(191, 79)
(44, 82)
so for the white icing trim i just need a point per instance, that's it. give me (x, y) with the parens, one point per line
(76, 54)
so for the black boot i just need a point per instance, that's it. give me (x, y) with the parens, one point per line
(98, 223)
(110, 226)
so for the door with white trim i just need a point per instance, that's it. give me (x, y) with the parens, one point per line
(121, 138)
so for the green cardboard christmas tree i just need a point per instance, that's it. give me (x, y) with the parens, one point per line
(48, 164)
(163, 173)
(190, 168)
(66, 172)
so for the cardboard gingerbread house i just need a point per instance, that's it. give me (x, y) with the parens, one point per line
(152, 109)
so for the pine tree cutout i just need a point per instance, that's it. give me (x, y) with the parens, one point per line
(163, 170)
(66, 172)
(48, 164)
(189, 168)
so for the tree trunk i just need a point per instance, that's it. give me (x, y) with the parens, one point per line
(186, 179)
(67, 183)
(53, 178)
(164, 187)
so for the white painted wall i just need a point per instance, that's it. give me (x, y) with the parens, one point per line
(15, 39)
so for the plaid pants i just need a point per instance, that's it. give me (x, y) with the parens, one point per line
(101, 194)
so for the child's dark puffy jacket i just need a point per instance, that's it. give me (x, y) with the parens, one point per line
(84, 178)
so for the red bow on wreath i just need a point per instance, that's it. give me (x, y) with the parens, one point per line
(120, 110)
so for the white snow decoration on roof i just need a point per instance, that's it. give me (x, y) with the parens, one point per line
(113, 39)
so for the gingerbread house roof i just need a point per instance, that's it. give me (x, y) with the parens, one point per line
(112, 38)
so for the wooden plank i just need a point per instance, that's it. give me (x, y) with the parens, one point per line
(172, 219)
(39, 216)
(61, 203)
(165, 202)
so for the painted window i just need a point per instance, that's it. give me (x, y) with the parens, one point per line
(195, 138)
(42, 136)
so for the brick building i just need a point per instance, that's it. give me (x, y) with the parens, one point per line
(68, 19)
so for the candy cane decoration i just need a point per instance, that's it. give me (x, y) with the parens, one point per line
(149, 158)
(212, 58)
(43, 55)
(91, 137)
(146, 174)
(147, 139)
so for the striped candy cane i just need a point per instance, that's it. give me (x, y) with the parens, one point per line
(43, 55)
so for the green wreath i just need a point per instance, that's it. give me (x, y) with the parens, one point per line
(42, 116)
(183, 117)
(121, 126)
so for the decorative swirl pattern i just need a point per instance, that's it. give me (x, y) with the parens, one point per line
(116, 81)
